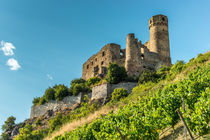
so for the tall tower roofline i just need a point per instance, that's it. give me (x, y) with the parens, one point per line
(158, 20)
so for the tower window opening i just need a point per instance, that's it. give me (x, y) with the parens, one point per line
(92, 63)
(142, 56)
(103, 53)
(87, 66)
(96, 70)
(163, 19)
(102, 62)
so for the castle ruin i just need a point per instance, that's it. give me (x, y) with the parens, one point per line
(137, 56)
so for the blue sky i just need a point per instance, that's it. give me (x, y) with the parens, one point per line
(49, 40)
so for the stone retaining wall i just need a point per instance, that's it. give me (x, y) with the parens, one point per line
(105, 90)
(98, 92)
(67, 102)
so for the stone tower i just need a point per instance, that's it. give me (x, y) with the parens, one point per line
(133, 57)
(159, 38)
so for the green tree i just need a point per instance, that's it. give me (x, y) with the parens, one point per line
(93, 81)
(36, 100)
(49, 94)
(9, 123)
(61, 91)
(115, 74)
(79, 85)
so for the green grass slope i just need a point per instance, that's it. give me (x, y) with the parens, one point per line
(152, 106)
(145, 113)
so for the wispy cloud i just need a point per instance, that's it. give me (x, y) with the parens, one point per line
(13, 64)
(7, 48)
(49, 77)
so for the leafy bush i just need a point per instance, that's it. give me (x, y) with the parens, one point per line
(55, 123)
(163, 71)
(36, 100)
(27, 133)
(119, 93)
(178, 67)
(49, 94)
(147, 76)
(115, 74)
(93, 81)
(4, 136)
(42, 101)
(78, 86)
(61, 91)
(38, 122)
(77, 81)
(201, 58)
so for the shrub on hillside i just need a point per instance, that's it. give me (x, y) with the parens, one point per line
(78, 86)
(93, 81)
(115, 74)
(77, 81)
(163, 71)
(36, 100)
(42, 101)
(119, 93)
(9, 123)
(61, 91)
(201, 58)
(49, 94)
(55, 123)
(27, 133)
(178, 67)
(147, 76)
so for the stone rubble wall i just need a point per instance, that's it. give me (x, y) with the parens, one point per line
(67, 102)
(98, 92)
(105, 90)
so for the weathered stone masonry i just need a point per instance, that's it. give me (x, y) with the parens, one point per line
(137, 56)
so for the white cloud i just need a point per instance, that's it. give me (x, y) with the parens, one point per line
(7, 48)
(49, 77)
(13, 64)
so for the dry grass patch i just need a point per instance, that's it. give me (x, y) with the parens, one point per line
(73, 125)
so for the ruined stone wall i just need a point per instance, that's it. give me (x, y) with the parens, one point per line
(98, 63)
(133, 61)
(105, 90)
(67, 102)
(136, 57)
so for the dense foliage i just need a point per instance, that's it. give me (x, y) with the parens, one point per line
(147, 76)
(58, 92)
(118, 94)
(115, 74)
(27, 133)
(151, 114)
(8, 124)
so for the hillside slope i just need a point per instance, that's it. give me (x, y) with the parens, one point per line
(149, 112)
(151, 108)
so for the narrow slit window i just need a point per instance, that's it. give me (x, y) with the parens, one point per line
(103, 53)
